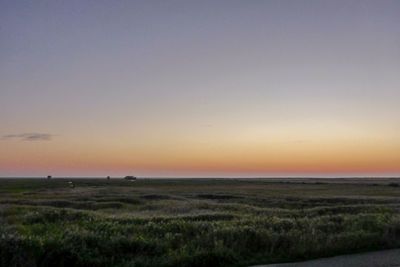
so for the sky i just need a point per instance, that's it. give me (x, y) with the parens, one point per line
(170, 88)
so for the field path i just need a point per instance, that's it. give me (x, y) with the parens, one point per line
(384, 258)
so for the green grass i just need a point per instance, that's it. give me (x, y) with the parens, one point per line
(193, 222)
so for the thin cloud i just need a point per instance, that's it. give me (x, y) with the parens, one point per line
(30, 136)
(206, 125)
(299, 141)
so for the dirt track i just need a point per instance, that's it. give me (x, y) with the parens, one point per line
(384, 258)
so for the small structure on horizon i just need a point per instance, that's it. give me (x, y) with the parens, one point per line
(48, 176)
(108, 177)
(130, 178)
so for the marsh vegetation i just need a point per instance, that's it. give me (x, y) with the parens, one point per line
(193, 222)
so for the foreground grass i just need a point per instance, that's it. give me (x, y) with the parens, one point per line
(192, 222)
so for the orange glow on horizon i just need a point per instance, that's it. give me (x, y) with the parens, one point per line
(262, 158)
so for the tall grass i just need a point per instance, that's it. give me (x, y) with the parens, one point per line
(188, 226)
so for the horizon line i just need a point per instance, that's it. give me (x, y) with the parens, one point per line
(199, 177)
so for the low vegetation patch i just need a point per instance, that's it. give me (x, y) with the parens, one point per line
(164, 223)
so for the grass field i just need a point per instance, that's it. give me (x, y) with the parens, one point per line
(193, 222)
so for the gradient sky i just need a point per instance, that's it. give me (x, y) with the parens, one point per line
(200, 88)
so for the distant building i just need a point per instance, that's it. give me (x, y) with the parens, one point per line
(130, 178)
(108, 177)
(49, 177)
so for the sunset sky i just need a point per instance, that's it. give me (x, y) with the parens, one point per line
(200, 88)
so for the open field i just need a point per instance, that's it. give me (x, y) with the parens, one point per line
(193, 222)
